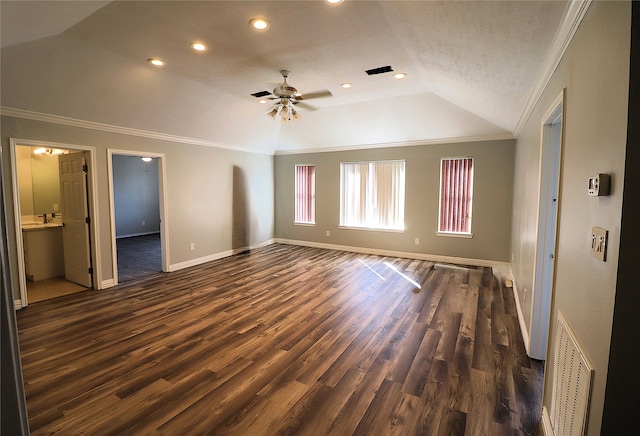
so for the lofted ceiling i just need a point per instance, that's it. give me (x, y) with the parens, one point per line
(471, 67)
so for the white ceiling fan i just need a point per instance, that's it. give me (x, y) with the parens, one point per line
(287, 96)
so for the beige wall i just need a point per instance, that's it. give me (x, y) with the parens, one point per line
(595, 73)
(216, 198)
(493, 179)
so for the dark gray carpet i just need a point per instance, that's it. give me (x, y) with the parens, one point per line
(138, 256)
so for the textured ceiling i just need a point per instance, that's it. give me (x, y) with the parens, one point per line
(470, 66)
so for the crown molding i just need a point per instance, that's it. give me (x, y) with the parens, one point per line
(573, 16)
(91, 125)
(440, 141)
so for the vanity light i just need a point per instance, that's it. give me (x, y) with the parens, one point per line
(146, 159)
(199, 46)
(399, 75)
(156, 62)
(40, 150)
(259, 23)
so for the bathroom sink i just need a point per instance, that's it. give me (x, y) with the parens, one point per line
(36, 226)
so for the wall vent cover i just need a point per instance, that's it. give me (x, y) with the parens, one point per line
(571, 385)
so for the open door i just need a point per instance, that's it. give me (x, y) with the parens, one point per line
(75, 218)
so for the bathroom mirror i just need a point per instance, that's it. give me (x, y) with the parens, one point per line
(46, 184)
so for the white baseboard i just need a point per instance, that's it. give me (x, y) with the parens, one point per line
(547, 428)
(200, 260)
(523, 326)
(392, 253)
(17, 304)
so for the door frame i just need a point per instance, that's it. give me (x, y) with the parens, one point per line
(93, 210)
(543, 285)
(162, 197)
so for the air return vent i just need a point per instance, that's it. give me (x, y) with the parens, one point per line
(379, 70)
(571, 386)
(261, 94)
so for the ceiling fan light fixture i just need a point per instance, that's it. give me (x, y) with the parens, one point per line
(273, 113)
(259, 23)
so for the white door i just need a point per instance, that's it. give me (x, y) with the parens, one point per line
(547, 232)
(75, 218)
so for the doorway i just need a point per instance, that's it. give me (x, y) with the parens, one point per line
(549, 204)
(55, 235)
(138, 214)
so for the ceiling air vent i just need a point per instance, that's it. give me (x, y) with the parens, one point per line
(261, 94)
(379, 70)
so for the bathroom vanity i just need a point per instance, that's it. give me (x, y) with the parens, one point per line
(43, 252)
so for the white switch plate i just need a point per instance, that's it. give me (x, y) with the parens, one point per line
(328, 233)
(599, 243)
(417, 241)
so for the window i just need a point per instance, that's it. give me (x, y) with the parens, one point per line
(305, 192)
(456, 192)
(372, 195)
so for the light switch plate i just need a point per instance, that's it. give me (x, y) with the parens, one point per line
(599, 243)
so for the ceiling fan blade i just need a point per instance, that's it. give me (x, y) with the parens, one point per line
(302, 105)
(319, 94)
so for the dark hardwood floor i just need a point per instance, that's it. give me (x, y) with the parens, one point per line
(284, 340)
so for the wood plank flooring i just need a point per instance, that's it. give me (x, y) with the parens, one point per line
(284, 340)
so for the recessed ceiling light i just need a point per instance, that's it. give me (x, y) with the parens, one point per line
(346, 85)
(146, 159)
(399, 75)
(259, 23)
(262, 101)
(198, 46)
(156, 62)
(334, 2)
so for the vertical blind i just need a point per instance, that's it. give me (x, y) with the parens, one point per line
(372, 195)
(305, 193)
(456, 192)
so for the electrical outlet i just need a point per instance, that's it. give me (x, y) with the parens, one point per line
(193, 246)
(417, 241)
(327, 233)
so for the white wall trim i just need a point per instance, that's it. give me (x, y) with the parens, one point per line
(523, 326)
(392, 253)
(83, 124)
(571, 20)
(163, 207)
(416, 143)
(17, 304)
(547, 428)
(93, 209)
(216, 256)
(110, 283)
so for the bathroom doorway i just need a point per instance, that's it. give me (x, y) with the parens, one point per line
(54, 232)
(136, 182)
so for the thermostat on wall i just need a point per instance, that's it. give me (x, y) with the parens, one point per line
(599, 185)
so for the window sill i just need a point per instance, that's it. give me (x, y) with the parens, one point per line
(372, 229)
(455, 235)
(304, 224)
